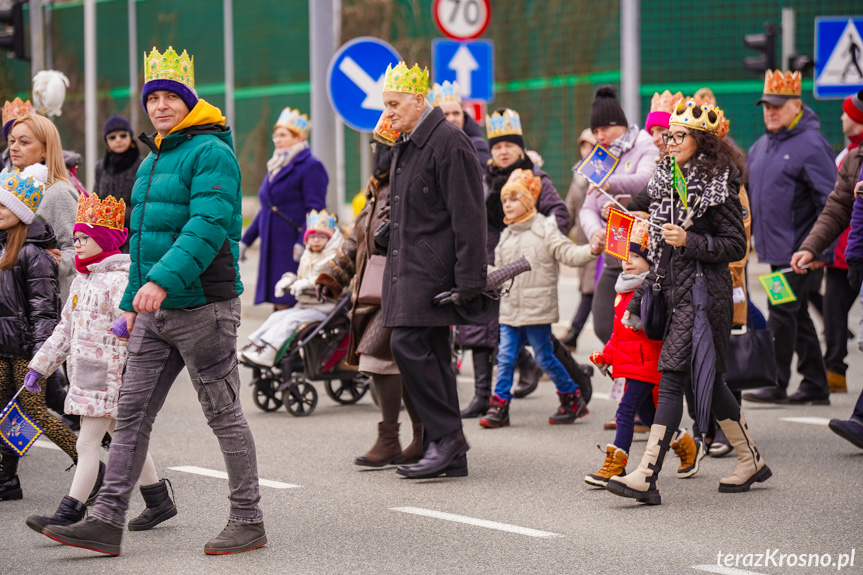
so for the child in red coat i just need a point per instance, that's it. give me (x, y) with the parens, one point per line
(633, 356)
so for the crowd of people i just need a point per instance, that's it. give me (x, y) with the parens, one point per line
(130, 284)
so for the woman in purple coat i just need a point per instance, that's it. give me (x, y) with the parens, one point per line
(295, 184)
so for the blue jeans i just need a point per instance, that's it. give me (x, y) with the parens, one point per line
(638, 398)
(204, 340)
(512, 339)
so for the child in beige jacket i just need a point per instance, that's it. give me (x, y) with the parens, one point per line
(530, 307)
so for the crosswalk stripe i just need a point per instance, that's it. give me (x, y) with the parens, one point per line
(477, 522)
(809, 420)
(722, 570)
(223, 475)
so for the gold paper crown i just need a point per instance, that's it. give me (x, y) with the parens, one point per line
(16, 109)
(400, 79)
(522, 181)
(506, 124)
(446, 92)
(685, 114)
(108, 213)
(26, 187)
(320, 221)
(384, 131)
(777, 83)
(295, 122)
(664, 102)
(724, 125)
(170, 66)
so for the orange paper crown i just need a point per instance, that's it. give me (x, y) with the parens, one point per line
(384, 131)
(109, 213)
(16, 109)
(777, 83)
(522, 181)
(664, 102)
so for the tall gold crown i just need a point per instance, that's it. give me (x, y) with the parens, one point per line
(16, 109)
(295, 122)
(108, 213)
(690, 115)
(521, 181)
(446, 92)
(400, 79)
(170, 66)
(665, 101)
(506, 124)
(777, 83)
(384, 131)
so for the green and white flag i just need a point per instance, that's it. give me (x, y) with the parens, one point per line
(678, 182)
(777, 288)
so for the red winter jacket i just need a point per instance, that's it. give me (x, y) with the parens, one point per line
(629, 353)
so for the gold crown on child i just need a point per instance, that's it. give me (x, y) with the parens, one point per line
(690, 115)
(321, 221)
(407, 81)
(108, 213)
(170, 66)
(523, 180)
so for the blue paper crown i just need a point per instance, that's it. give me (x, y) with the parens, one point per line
(295, 122)
(25, 188)
(506, 124)
(321, 221)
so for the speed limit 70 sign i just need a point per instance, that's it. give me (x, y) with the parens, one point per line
(462, 19)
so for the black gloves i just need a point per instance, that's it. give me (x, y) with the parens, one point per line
(855, 273)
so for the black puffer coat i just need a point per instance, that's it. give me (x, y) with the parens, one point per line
(716, 238)
(29, 294)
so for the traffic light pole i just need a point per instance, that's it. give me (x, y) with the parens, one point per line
(91, 137)
(788, 50)
(630, 59)
(37, 38)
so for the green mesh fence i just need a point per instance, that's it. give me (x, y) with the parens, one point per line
(549, 57)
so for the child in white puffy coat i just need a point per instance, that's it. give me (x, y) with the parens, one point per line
(95, 357)
(530, 307)
(322, 240)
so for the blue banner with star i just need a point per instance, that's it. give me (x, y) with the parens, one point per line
(17, 430)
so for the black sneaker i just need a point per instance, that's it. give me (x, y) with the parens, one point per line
(90, 534)
(237, 537)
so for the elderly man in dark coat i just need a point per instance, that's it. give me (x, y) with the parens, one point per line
(436, 243)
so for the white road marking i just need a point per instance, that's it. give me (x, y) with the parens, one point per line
(477, 522)
(44, 444)
(809, 420)
(725, 570)
(599, 395)
(223, 475)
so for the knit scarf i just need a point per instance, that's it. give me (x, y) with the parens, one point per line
(704, 190)
(82, 263)
(627, 283)
(496, 178)
(282, 159)
(624, 143)
(116, 163)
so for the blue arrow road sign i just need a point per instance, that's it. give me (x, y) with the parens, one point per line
(838, 56)
(471, 64)
(355, 81)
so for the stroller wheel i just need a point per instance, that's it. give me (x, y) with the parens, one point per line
(348, 391)
(267, 395)
(300, 398)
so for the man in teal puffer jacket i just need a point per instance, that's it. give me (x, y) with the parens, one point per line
(182, 309)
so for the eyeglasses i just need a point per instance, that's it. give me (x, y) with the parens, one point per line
(122, 136)
(676, 137)
(80, 240)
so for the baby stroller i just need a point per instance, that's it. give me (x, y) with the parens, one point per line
(316, 352)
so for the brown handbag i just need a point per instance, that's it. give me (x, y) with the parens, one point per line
(371, 287)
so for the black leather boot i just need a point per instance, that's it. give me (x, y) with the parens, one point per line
(446, 456)
(100, 477)
(483, 366)
(10, 487)
(528, 374)
(159, 508)
(70, 511)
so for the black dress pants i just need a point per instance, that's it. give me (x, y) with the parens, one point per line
(423, 357)
(838, 300)
(793, 331)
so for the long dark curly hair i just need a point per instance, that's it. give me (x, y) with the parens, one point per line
(714, 154)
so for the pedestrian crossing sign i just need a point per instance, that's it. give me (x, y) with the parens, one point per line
(838, 57)
(777, 288)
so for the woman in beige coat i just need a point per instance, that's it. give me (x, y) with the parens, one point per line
(530, 307)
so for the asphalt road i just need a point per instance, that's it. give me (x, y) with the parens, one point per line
(523, 509)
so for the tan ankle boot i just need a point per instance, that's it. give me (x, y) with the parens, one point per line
(614, 466)
(836, 382)
(413, 452)
(690, 454)
(750, 466)
(641, 483)
(385, 450)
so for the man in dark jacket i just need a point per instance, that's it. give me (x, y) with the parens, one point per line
(437, 242)
(182, 308)
(791, 173)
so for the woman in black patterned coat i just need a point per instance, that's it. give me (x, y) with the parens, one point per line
(115, 173)
(708, 232)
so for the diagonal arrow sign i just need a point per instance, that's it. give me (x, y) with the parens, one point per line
(464, 64)
(372, 88)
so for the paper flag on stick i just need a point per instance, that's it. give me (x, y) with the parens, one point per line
(18, 430)
(617, 234)
(777, 288)
(678, 182)
(597, 166)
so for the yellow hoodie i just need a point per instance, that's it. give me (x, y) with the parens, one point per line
(202, 113)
